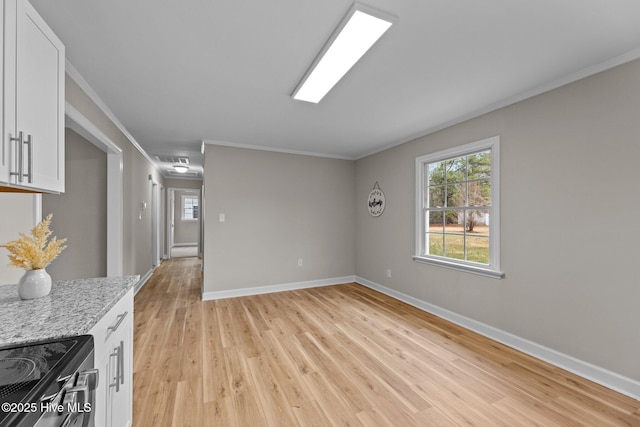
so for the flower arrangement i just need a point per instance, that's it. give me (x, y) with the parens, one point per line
(36, 252)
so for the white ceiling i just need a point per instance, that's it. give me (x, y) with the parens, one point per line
(178, 72)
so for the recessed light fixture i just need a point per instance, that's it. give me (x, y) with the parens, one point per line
(180, 168)
(361, 27)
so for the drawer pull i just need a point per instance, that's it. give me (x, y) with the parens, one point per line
(120, 319)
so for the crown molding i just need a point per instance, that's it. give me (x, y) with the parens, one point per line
(632, 55)
(274, 149)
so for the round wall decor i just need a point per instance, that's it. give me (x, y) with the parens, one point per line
(376, 202)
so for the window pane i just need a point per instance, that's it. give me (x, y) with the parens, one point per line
(435, 173)
(454, 220)
(477, 222)
(454, 246)
(436, 197)
(478, 249)
(434, 220)
(434, 243)
(189, 208)
(457, 195)
(479, 165)
(456, 170)
(480, 193)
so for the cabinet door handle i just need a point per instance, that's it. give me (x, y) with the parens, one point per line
(116, 379)
(29, 143)
(120, 319)
(19, 149)
(121, 355)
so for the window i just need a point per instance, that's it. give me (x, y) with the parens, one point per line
(189, 208)
(457, 208)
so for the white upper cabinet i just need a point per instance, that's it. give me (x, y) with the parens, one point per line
(4, 152)
(33, 102)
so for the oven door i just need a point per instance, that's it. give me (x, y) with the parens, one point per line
(48, 383)
(73, 407)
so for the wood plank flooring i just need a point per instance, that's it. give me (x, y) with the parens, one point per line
(337, 356)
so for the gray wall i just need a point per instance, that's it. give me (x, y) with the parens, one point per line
(278, 208)
(184, 232)
(80, 214)
(569, 204)
(137, 187)
(16, 216)
(183, 183)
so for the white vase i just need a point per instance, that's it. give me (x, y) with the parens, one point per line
(34, 284)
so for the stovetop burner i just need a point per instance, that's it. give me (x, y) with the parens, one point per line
(15, 373)
(21, 368)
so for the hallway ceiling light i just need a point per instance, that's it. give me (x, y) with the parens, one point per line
(180, 168)
(361, 27)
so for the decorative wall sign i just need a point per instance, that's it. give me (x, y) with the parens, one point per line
(376, 202)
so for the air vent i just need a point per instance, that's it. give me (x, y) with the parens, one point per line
(185, 174)
(173, 159)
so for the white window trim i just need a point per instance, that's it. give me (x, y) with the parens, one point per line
(191, 196)
(493, 269)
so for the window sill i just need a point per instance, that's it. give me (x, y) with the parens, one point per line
(461, 267)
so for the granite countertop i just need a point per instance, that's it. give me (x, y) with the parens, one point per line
(72, 308)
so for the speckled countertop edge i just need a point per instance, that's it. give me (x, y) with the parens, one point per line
(72, 308)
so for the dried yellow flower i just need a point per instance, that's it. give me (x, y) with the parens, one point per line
(34, 253)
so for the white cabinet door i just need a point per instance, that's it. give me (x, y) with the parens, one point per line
(113, 342)
(121, 386)
(33, 100)
(100, 406)
(4, 147)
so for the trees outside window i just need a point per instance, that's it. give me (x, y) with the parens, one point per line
(457, 204)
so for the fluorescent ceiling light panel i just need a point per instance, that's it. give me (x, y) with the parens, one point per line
(358, 31)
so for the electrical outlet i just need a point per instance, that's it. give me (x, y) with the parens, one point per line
(221, 217)
(299, 262)
(388, 273)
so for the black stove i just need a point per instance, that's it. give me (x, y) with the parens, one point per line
(48, 383)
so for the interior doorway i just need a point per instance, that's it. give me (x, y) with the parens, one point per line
(183, 222)
(156, 220)
(115, 190)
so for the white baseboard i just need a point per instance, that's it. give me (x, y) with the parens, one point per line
(179, 245)
(579, 367)
(206, 296)
(142, 281)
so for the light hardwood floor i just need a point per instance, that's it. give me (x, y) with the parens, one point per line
(337, 356)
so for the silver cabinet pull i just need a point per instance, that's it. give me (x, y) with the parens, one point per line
(19, 149)
(121, 353)
(120, 319)
(119, 377)
(29, 143)
(116, 379)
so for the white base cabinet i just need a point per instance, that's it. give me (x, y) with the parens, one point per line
(113, 342)
(32, 153)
